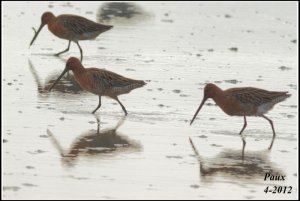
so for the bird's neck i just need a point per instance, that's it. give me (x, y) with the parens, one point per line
(51, 26)
(224, 102)
(79, 70)
(51, 20)
(218, 96)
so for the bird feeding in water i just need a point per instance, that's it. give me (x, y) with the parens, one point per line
(100, 82)
(72, 28)
(243, 101)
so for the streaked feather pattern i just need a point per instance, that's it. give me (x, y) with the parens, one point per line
(100, 82)
(72, 28)
(243, 101)
(108, 83)
(80, 25)
(255, 96)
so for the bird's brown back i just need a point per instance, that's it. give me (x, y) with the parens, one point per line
(80, 27)
(108, 83)
(255, 96)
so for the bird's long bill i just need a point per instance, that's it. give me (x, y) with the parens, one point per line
(62, 74)
(198, 110)
(36, 34)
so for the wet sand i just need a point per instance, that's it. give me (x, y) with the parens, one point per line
(54, 148)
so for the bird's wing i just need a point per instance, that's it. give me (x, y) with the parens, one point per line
(80, 25)
(108, 79)
(255, 96)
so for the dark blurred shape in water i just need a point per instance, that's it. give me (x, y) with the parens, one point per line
(68, 84)
(95, 142)
(237, 165)
(126, 12)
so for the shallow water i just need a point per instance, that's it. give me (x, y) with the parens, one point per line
(54, 148)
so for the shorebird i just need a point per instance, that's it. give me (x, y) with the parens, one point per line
(72, 28)
(243, 101)
(100, 82)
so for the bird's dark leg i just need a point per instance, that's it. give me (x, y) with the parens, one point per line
(121, 105)
(245, 124)
(99, 105)
(274, 134)
(271, 145)
(80, 50)
(270, 121)
(98, 124)
(64, 50)
(244, 145)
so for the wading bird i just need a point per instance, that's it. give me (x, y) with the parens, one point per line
(72, 28)
(100, 82)
(243, 101)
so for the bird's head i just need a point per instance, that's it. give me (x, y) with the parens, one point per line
(47, 17)
(71, 64)
(210, 91)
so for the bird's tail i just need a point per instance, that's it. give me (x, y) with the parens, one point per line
(137, 83)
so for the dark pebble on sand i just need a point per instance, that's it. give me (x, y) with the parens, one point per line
(216, 145)
(29, 185)
(234, 49)
(231, 81)
(194, 186)
(13, 188)
(284, 68)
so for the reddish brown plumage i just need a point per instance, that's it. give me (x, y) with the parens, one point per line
(101, 82)
(71, 27)
(243, 101)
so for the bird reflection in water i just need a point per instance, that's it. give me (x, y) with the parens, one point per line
(95, 142)
(236, 165)
(68, 84)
